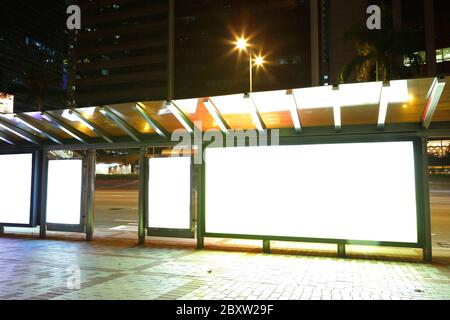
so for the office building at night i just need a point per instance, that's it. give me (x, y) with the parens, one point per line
(32, 54)
(125, 55)
(121, 51)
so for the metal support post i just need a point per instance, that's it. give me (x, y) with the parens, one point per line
(427, 242)
(266, 246)
(341, 250)
(200, 185)
(90, 194)
(43, 197)
(143, 194)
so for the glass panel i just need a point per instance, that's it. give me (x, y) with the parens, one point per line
(411, 110)
(275, 108)
(169, 179)
(128, 112)
(196, 111)
(64, 191)
(15, 188)
(359, 94)
(7, 138)
(236, 110)
(360, 102)
(162, 114)
(72, 120)
(277, 120)
(313, 98)
(359, 115)
(97, 118)
(48, 126)
(317, 117)
(20, 124)
(369, 187)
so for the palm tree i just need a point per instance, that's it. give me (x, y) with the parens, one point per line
(380, 53)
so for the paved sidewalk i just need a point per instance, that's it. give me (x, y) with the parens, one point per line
(37, 269)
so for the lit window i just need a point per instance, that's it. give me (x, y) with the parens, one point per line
(446, 54)
(439, 56)
(296, 59)
(282, 61)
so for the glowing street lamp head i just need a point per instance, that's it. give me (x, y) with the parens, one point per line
(241, 44)
(259, 61)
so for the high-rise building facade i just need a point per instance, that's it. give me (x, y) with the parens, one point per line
(437, 39)
(123, 51)
(32, 53)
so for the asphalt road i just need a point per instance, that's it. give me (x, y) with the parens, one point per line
(440, 212)
(116, 208)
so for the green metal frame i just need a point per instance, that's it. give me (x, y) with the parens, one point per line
(20, 132)
(151, 122)
(94, 127)
(78, 135)
(6, 138)
(89, 194)
(143, 194)
(180, 115)
(423, 221)
(436, 129)
(433, 98)
(256, 110)
(119, 122)
(34, 124)
(424, 196)
(43, 195)
(215, 112)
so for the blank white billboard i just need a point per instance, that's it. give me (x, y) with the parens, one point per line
(15, 188)
(64, 186)
(354, 191)
(169, 193)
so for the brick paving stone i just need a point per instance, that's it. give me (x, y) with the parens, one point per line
(37, 269)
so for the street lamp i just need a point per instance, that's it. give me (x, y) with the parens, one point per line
(241, 44)
(258, 61)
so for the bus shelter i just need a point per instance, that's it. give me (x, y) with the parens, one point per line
(340, 164)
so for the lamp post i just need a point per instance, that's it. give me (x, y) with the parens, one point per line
(242, 45)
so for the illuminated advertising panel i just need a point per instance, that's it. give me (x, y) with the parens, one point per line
(6, 103)
(15, 188)
(64, 187)
(169, 193)
(354, 191)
